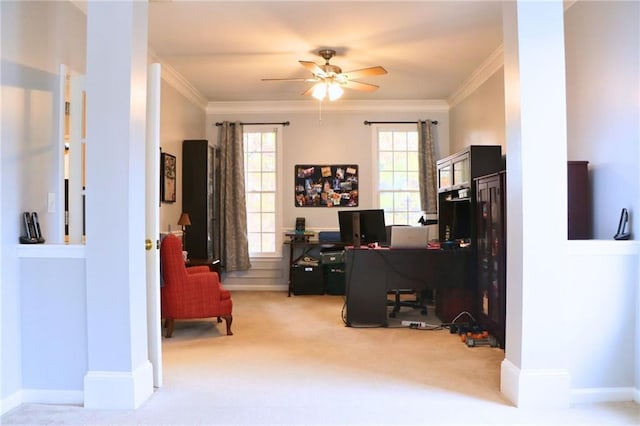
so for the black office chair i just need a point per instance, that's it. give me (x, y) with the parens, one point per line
(418, 303)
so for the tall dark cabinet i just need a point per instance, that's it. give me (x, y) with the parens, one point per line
(199, 198)
(456, 214)
(491, 254)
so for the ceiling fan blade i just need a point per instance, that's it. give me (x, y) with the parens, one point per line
(363, 87)
(309, 91)
(312, 66)
(365, 72)
(307, 80)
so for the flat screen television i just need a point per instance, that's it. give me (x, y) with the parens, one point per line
(371, 224)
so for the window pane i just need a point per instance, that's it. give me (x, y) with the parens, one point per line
(412, 161)
(399, 141)
(268, 222)
(386, 201)
(399, 180)
(399, 160)
(385, 161)
(268, 181)
(253, 222)
(253, 162)
(385, 181)
(412, 141)
(400, 218)
(385, 141)
(253, 202)
(268, 202)
(253, 182)
(254, 239)
(268, 243)
(252, 142)
(413, 181)
(414, 202)
(401, 201)
(269, 162)
(269, 142)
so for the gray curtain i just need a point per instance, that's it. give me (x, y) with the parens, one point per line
(233, 210)
(427, 158)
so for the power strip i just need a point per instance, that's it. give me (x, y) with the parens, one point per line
(414, 324)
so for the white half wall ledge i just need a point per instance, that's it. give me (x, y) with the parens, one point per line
(597, 395)
(535, 388)
(51, 251)
(118, 390)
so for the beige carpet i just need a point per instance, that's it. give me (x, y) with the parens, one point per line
(293, 361)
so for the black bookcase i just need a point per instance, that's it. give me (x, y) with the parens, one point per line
(491, 253)
(456, 215)
(199, 198)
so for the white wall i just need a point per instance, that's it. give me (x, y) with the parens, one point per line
(479, 118)
(602, 50)
(36, 38)
(339, 137)
(43, 323)
(603, 96)
(180, 119)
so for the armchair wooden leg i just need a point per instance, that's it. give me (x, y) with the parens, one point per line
(169, 325)
(229, 320)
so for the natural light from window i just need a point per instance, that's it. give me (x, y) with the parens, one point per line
(398, 188)
(260, 165)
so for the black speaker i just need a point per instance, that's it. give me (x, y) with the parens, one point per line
(300, 226)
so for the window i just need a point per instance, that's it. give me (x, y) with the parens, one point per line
(261, 166)
(397, 179)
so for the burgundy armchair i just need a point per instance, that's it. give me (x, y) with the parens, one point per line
(193, 292)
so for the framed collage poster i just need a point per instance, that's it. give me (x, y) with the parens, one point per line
(167, 178)
(326, 185)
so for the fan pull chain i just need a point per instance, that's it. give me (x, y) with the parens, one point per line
(320, 111)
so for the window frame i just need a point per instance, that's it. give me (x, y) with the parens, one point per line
(278, 129)
(375, 131)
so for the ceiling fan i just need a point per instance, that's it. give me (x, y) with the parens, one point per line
(330, 80)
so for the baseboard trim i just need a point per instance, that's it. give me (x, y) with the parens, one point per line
(118, 389)
(9, 403)
(535, 388)
(596, 395)
(255, 287)
(49, 396)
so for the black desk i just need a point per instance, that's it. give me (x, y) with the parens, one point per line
(371, 272)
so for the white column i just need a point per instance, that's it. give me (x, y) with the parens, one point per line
(534, 372)
(120, 374)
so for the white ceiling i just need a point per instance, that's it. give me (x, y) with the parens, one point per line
(224, 48)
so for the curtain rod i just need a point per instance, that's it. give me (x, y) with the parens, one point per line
(284, 123)
(394, 122)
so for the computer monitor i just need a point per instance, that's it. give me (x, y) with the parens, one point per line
(370, 223)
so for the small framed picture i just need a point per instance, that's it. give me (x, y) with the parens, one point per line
(167, 178)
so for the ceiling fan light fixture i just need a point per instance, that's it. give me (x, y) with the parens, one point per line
(319, 91)
(335, 91)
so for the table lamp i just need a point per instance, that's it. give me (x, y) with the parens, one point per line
(184, 221)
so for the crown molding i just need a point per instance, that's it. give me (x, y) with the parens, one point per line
(218, 108)
(479, 76)
(178, 82)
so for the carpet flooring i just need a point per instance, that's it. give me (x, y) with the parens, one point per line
(292, 361)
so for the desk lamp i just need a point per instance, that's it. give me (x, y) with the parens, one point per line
(184, 221)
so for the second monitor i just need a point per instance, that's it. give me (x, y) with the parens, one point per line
(362, 227)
